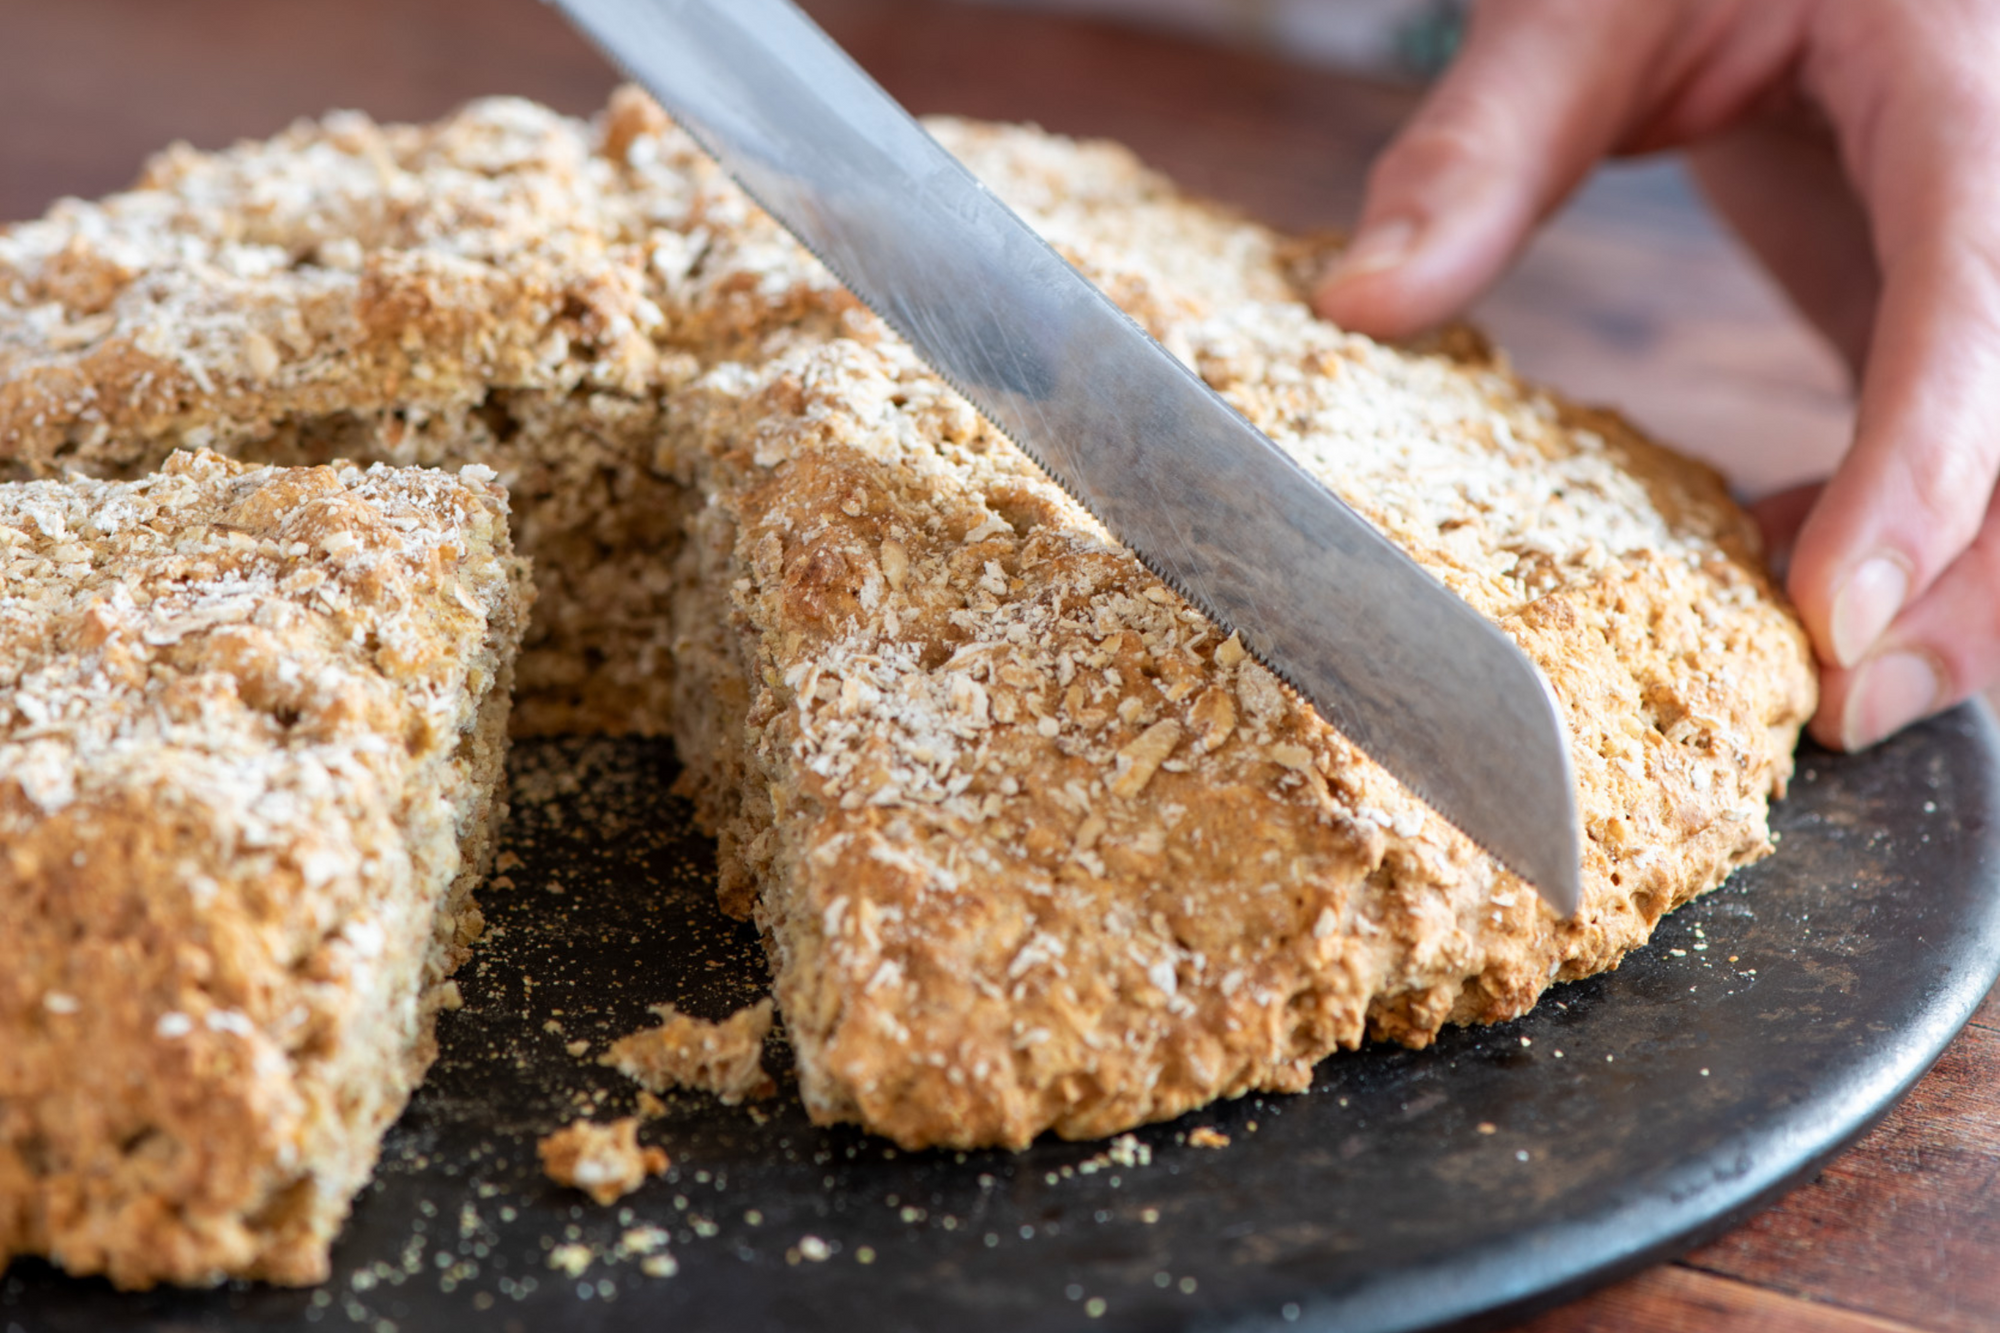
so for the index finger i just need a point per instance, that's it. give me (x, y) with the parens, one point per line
(1920, 129)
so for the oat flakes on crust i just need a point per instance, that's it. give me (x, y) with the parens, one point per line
(1032, 849)
(251, 726)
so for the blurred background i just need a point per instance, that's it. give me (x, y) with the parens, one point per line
(1633, 297)
(1408, 38)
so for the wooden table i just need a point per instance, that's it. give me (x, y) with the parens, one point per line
(1632, 297)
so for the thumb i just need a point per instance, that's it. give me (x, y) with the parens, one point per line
(1539, 92)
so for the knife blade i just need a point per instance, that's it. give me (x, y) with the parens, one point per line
(1429, 688)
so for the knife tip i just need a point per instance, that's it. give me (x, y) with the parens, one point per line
(1561, 887)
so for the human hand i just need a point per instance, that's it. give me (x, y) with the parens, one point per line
(1855, 146)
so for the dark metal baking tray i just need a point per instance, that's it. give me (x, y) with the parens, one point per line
(1504, 1169)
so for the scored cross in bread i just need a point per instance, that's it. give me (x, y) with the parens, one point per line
(1032, 846)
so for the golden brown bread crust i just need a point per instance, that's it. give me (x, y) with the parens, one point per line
(355, 291)
(251, 727)
(1048, 855)
(1032, 849)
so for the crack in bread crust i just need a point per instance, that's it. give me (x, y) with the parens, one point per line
(1031, 847)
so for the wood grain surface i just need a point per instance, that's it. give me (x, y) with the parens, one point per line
(1632, 296)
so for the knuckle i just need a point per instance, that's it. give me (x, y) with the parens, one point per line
(1950, 491)
(1462, 133)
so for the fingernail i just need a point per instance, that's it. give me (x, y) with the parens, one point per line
(1890, 692)
(1865, 605)
(1382, 246)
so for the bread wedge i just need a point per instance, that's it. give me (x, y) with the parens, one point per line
(252, 731)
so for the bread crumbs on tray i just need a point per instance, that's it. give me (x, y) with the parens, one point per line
(1205, 1137)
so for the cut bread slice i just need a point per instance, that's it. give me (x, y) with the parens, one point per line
(252, 727)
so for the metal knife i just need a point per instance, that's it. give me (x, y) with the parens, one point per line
(1429, 688)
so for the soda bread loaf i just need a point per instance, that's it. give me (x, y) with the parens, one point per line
(1032, 847)
(252, 728)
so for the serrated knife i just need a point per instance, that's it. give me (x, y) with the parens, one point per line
(1430, 689)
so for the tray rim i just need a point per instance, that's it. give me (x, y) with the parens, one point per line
(1838, 1127)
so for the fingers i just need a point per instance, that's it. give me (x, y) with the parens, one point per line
(1778, 179)
(1913, 492)
(1886, 570)
(1779, 517)
(1944, 648)
(1541, 90)
(1909, 497)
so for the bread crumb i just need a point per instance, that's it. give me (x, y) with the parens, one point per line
(646, 1239)
(572, 1258)
(1206, 1137)
(811, 1249)
(688, 1052)
(604, 1161)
